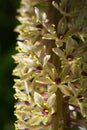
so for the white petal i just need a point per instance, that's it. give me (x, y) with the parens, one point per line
(51, 100)
(38, 99)
(46, 59)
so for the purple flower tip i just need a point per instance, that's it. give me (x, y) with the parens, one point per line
(26, 129)
(24, 102)
(39, 68)
(27, 103)
(58, 80)
(84, 73)
(70, 57)
(45, 112)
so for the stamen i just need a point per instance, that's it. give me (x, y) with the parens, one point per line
(45, 112)
(70, 57)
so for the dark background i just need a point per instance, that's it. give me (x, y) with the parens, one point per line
(7, 48)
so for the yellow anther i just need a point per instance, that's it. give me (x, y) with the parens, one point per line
(54, 32)
(29, 32)
(37, 62)
(28, 22)
(45, 104)
(16, 128)
(25, 31)
(53, 70)
(37, 20)
(69, 59)
(15, 80)
(32, 110)
(15, 96)
(22, 50)
(26, 63)
(35, 57)
(15, 71)
(53, 25)
(22, 14)
(48, 77)
(62, 66)
(67, 76)
(33, 17)
(53, 82)
(46, 111)
(14, 106)
(37, 103)
(16, 47)
(79, 58)
(24, 73)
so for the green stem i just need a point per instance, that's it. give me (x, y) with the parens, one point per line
(61, 119)
(59, 114)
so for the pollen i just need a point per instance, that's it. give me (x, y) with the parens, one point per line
(15, 80)
(16, 128)
(25, 31)
(53, 70)
(54, 32)
(15, 96)
(32, 110)
(14, 106)
(45, 112)
(16, 47)
(53, 25)
(28, 22)
(37, 20)
(26, 63)
(45, 104)
(29, 32)
(33, 17)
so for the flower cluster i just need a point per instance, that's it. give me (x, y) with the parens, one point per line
(51, 65)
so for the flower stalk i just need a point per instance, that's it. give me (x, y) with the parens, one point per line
(51, 66)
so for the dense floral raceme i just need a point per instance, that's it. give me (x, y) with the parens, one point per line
(51, 71)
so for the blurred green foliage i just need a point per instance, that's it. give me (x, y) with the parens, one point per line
(7, 48)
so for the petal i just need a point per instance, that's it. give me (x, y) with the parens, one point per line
(65, 90)
(46, 59)
(59, 52)
(35, 120)
(38, 99)
(44, 80)
(51, 100)
(47, 120)
(52, 89)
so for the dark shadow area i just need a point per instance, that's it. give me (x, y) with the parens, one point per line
(7, 48)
